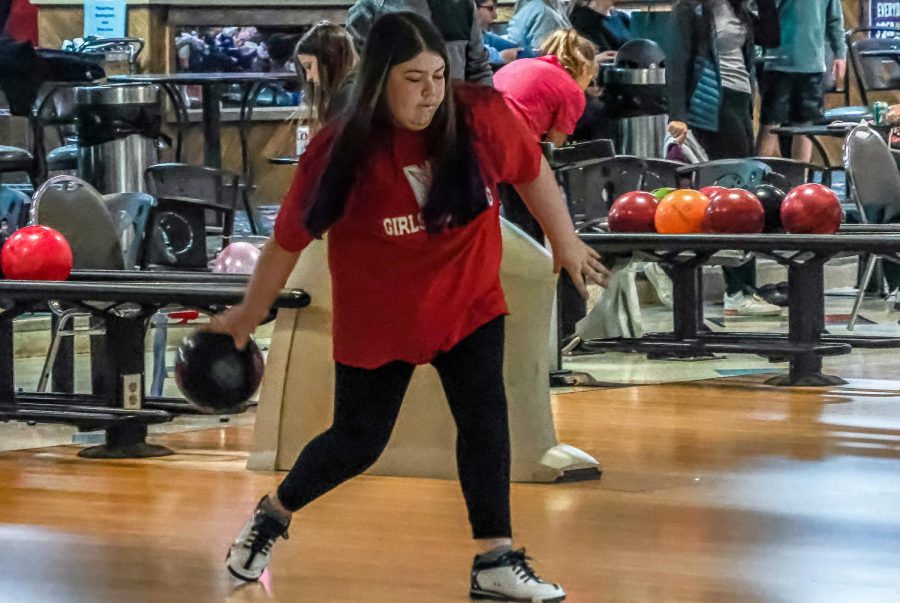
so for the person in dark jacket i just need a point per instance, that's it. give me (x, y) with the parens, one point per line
(455, 19)
(710, 87)
(601, 23)
(710, 80)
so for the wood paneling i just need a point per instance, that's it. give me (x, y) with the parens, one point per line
(267, 139)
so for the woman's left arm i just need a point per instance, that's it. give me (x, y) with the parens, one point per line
(542, 197)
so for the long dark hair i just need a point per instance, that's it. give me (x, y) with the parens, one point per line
(457, 193)
(333, 48)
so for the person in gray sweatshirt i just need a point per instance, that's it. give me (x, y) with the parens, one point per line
(455, 19)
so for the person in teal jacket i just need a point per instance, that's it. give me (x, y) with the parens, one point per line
(534, 20)
(792, 84)
(710, 84)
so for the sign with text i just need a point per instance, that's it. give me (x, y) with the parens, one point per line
(105, 18)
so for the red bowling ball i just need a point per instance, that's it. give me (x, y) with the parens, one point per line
(712, 191)
(811, 209)
(36, 253)
(633, 212)
(734, 211)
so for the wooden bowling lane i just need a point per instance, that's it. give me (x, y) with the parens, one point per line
(720, 490)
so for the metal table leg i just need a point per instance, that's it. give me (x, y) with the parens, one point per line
(63, 376)
(212, 126)
(806, 321)
(248, 100)
(121, 379)
(687, 299)
(820, 149)
(7, 359)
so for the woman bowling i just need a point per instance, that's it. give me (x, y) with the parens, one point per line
(404, 183)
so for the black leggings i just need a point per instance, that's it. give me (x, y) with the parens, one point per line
(366, 405)
(734, 140)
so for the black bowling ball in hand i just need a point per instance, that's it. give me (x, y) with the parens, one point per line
(214, 375)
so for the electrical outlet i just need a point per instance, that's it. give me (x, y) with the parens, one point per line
(131, 391)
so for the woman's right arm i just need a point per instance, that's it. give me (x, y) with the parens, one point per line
(271, 273)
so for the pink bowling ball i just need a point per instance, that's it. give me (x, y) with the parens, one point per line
(236, 258)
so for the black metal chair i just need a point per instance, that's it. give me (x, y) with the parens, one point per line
(193, 204)
(578, 152)
(874, 183)
(874, 73)
(55, 111)
(105, 232)
(18, 160)
(660, 173)
(730, 173)
(787, 173)
(591, 186)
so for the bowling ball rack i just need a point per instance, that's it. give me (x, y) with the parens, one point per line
(805, 256)
(125, 301)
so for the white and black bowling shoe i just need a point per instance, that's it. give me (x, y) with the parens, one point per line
(511, 578)
(249, 556)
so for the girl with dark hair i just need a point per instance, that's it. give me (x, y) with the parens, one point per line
(327, 57)
(404, 183)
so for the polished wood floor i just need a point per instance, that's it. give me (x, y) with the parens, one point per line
(720, 491)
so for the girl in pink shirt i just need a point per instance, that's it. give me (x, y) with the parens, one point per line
(547, 92)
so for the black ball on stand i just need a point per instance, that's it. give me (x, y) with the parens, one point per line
(771, 198)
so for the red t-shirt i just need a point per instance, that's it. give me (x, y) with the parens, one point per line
(398, 292)
(22, 23)
(542, 93)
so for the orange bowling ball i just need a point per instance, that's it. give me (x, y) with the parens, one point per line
(681, 212)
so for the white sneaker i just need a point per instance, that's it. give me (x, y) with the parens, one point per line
(743, 304)
(510, 578)
(249, 556)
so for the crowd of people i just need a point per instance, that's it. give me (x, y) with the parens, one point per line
(730, 51)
